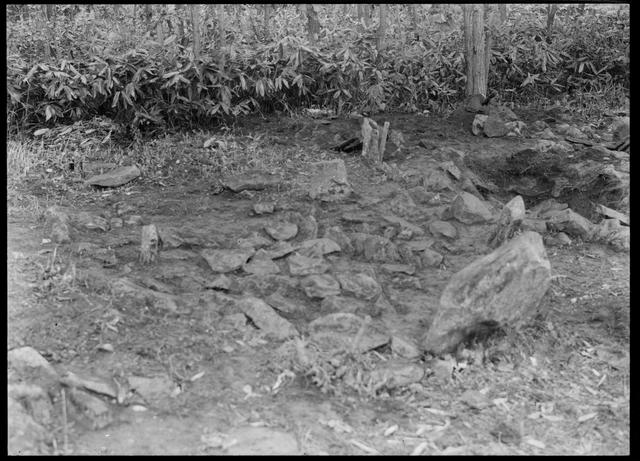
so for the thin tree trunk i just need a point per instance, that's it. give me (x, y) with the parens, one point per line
(552, 8)
(313, 25)
(148, 15)
(268, 9)
(382, 27)
(195, 25)
(474, 38)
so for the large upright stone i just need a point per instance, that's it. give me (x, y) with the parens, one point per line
(329, 181)
(509, 222)
(503, 287)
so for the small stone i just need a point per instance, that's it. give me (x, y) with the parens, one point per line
(227, 260)
(134, 220)
(263, 208)
(359, 285)
(342, 304)
(320, 286)
(559, 239)
(116, 222)
(318, 247)
(261, 266)
(281, 230)
(469, 209)
(431, 258)
(443, 228)
(286, 305)
(404, 348)
(266, 319)
(304, 265)
(255, 240)
(115, 178)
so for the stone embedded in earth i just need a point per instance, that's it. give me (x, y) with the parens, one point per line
(115, 178)
(359, 285)
(407, 229)
(90, 221)
(503, 112)
(281, 230)
(396, 372)
(263, 208)
(260, 266)
(251, 180)
(375, 248)
(469, 209)
(25, 436)
(495, 127)
(342, 304)
(612, 232)
(320, 286)
(222, 282)
(570, 222)
(403, 205)
(503, 287)
(340, 330)
(443, 228)
(255, 240)
(431, 258)
(154, 389)
(57, 220)
(264, 285)
(546, 206)
(329, 181)
(255, 441)
(227, 260)
(316, 248)
(559, 239)
(398, 268)
(277, 250)
(620, 128)
(336, 234)
(307, 225)
(609, 213)
(437, 180)
(304, 265)
(477, 126)
(539, 125)
(26, 359)
(284, 304)
(404, 347)
(127, 288)
(509, 222)
(266, 319)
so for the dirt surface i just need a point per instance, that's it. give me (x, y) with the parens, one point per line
(558, 387)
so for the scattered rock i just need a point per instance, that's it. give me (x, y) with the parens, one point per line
(251, 180)
(359, 285)
(222, 282)
(477, 125)
(281, 230)
(621, 128)
(539, 125)
(495, 127)
(503, 287)
(24, 435)
(329, 181)
(264, 317)
(276, 251)
(443, 229)
(90, 221)
(304, 265)
(320, 286)
(264, 285)
(115, 178)
(26, 360)
(124, 287)
(307, 225)
(612, 232)
(340, 330)
(57, 220)
(437, 180)
(469, 209)
(535, 225)
(401, 268)
(609, 213)
(227, 260)
(134, 220)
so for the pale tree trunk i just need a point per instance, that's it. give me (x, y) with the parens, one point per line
(313, 25)
(492, 20)
(382, 27)
(47, 16)
(364, 13)
(502, 8)
(195, 25)
(148, 15)
(181, 35)
(268, 11)
(552, 8)
(474, 38)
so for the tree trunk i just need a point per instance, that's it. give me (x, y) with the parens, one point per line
(148, 15)
(195, 25)
(475, 57)
(268, 10)
(46, 15)
(382, 27)
(313, 25)
(180, 25)
(552, 8)
(502, 8)
(493, 19)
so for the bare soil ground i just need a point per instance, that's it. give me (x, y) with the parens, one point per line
(558, 387)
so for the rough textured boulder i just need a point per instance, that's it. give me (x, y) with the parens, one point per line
(503, 287)
(509, 222)
(266, 319)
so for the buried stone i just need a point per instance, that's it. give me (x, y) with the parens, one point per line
(505, 287)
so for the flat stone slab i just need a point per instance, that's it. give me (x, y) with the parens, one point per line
(266, 319)
(227, 260)
(251, 180)
(115, 178)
